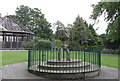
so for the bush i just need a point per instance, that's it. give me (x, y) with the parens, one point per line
(109, 51)
(73, 45)
(58, 43)
(43, 44)
(30, 44)
(38, 44)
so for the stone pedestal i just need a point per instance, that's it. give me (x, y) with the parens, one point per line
(61, 52)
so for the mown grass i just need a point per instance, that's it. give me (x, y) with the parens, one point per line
(111, 61)
(11, 57)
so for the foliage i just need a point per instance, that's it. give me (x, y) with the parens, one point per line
(108, 44)
(43, 44)
(111, 15)
(32, 43)
(58, 43)
(38, 43)
(74, 45)
(83, 33)
(79, 29)
(109, 51)
(59, 25)
(34, 20)
(94, 40)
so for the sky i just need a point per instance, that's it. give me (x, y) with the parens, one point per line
(63, 10)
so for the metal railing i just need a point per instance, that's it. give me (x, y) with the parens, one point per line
(82, 60)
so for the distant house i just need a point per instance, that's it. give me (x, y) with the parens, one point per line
(12, 34)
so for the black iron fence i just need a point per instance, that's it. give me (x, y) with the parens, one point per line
(82, 60)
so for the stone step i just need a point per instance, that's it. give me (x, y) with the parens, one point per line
(81, 65)
(64, 62)
(80, 70)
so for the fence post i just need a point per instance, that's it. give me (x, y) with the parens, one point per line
(84, 61)
(28, 58)
(39, 59)
(99, 59)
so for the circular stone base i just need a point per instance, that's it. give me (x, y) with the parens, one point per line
(74, 76)
(64, 69)
(66, 76)
(63, 62)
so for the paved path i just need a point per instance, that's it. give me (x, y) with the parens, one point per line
(110, 54)
(19, 71)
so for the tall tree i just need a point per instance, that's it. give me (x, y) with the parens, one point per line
(94, 39)
(83, 33)
(111, 15)
(79, 31)
(58, 25)
(107, 43)
(34, 20)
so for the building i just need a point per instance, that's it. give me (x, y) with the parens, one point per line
(12, 34)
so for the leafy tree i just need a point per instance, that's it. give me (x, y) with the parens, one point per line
(34, 20)
(111, 15)
(83, 34)
(107, 43)
(59, 24)
(79, 31)
(94, 39)
(69, 26)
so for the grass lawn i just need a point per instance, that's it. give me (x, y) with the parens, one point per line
(11, 57)
(111, 61)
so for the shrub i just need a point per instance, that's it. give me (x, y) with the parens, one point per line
(43, 44)
(109, 51)
(38, 44)
(73, 45)
(30, 44)
(58, 43)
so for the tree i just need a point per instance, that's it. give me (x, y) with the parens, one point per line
(83, 34)
(79, 31)
(34, 20)
(107, 43)
(94, 39)
(111, 15)
(58, 25)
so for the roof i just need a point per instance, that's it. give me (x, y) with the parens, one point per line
(8, 24)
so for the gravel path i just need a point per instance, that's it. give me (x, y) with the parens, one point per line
(19, 71)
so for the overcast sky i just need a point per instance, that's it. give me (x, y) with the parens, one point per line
(63, 10)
